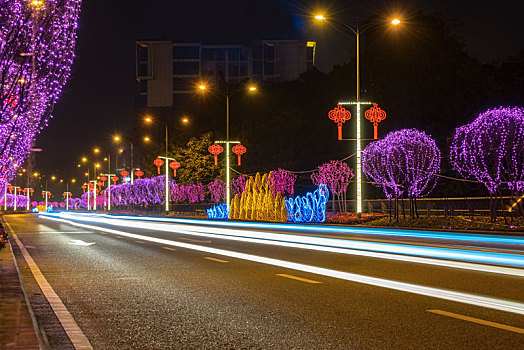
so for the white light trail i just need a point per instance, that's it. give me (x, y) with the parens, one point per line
(466, 298)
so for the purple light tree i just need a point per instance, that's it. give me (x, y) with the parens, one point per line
(238, 185)
(217, 189)
(37, 41)
(491, 150)
(404, 162)
(282, 181)
(336, 175)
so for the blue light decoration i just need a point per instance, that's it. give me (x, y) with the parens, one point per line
(218, 212)
(309, 208)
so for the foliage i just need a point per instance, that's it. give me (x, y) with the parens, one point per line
(238, 185)
(353, 218)
(217, 190)
(282, 181)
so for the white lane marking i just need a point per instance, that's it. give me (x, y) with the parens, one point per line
(261, 237)
(169, 248)
(69, 324)
(81, 243)
(466, 298)
(215, 259)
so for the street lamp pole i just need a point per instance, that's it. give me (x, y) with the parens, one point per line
(28, 190)
(5, 197)
(108, 190)
(15, 188)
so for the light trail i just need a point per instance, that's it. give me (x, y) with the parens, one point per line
(466, 298)
(330, 229)
(414, 254)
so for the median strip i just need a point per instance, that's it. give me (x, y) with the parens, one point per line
(478, 320)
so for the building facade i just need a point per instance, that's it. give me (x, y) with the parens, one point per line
(168, 72)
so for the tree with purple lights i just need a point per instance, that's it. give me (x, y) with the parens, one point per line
(282, 181)
(491, 150)
(217, 190)
(37, 40)
(238, 185)
(404, 162)
(336, 175)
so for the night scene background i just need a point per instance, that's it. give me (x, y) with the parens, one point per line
(448, 62)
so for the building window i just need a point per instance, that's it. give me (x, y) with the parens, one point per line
(233, 54)
(243, 70)
(233, 70)
(220, 54)
(208, 54)
(186, 68)
(257, 67)
(269, 51)
(186, 52)
(142, 70)
(269, 68)
(143, 86)
(184, 84)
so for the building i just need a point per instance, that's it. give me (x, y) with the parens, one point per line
(169, 71)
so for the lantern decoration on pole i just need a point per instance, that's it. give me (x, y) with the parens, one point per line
(239, 150)
(19, 190)
(158, 162)
(115, 179)
(11, 188)
(174, 165)
(339, 115)
(139, 173)
(124, 173)
(31, 191)
(375, 115)
(99, 183)
(103, 178)
(91, 185)
(84, 187)
(24, 191)
(215, 149)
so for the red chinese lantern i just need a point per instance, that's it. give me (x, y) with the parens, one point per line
(99, 183)
(49, 194)
(115, 179)
(339, 115)
(124, 173)
(11, 188)
(19, 190)
(239, 150)
(31, 191)
(375, 115)
(24, 191)
(84, 188)
(97, 191)
(103, 179)
(64, 194)
(139, 173)
(215, 149)
(91, 185)
(174, 165)
(158, 162)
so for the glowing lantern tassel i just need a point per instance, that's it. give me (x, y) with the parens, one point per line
(239, 150)
(375, 115)
(339, 115)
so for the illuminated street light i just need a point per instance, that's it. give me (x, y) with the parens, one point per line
(96, 150)
(148, 119)
(84, 159)
(357, 30)
(252, 88)
(185, 120)
(53, 177)
(35, 174)
(146, 139)
(202, 87)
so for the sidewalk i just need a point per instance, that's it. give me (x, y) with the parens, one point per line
(16, 325)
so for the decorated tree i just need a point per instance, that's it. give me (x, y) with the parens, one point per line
(336, 175)
(491, 150)
(37, 41)
(238, 185)
(217, 189)
(404, 162)
(282, 181)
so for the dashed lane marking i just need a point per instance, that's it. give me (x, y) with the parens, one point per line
(215, 259)
(69, 324)
(298, 278)
(168, 248)
(479, 321)
(139, 242)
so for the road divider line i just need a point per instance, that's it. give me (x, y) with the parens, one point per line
(69, 324)
(194, 240)
(169, 248)
(460, 297)
(215, 259)
(139, 242)
(298, 278)
(478, 320)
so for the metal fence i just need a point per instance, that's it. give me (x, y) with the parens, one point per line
(467, 206)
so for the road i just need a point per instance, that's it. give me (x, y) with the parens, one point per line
(135, 284)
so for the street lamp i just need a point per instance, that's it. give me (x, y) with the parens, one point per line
(227, 94)
(356, 30)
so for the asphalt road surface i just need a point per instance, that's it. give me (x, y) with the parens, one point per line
(112, 286)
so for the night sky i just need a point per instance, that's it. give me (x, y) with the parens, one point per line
(98, 101)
